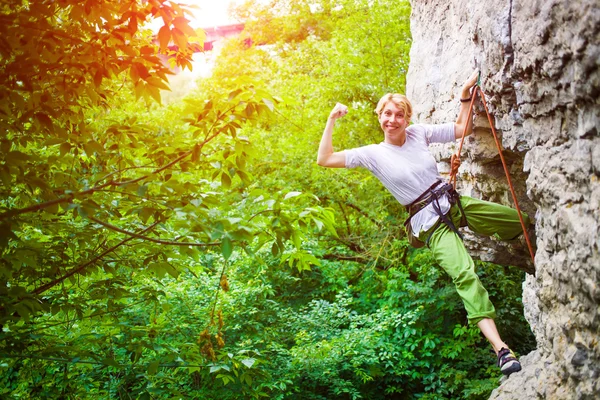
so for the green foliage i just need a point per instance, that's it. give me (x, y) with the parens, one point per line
(194, 250)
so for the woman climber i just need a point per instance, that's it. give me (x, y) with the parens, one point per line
(403, 163)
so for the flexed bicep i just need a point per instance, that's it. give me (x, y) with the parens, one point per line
(326, 157)
(334, 160)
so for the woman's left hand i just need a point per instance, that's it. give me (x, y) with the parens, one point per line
(469, 83)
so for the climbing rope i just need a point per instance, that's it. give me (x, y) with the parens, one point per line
(455, 159)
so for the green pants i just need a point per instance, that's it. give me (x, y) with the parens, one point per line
(484, 218)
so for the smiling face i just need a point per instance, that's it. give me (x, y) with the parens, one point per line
(394, 112)
(393, 122)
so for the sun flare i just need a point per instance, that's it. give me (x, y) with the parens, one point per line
(210, 13)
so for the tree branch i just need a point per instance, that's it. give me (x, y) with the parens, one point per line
(80, 268)
(122, 170)
(138, 236)
(359, 258)
(70, 360)
(355, 247)
(363, 213)
(348, 230)
(358, 209)
(92, 315)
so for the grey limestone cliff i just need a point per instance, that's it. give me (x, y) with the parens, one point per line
(539, 61)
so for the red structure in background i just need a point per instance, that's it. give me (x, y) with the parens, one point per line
(214, 35)
(218, 33)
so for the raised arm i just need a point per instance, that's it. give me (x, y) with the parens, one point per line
(326, 156)
(461, 121)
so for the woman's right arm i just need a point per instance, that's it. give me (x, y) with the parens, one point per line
(326, 156)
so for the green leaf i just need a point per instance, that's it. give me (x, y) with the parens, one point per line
(17, 157)
(82, 211)
(153, 367)
(225, 180)
(111, 362)
(226, 247)
(233, 94)
(92, 147)
(154, 92)
(292, 194)
(156, 82)
(5, 176)
(142, 190)
(145, 213)
(248, 362)
(171, 270)
(159, 268)
(53, 141)
(196, 153)
(269, 104)
(226, 378)
(5, 146)
(23, 311)
(44, 120)
(181, 23)
(179, 38)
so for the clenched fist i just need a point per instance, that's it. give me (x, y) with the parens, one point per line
(338, 111)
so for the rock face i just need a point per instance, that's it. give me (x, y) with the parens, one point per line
(539, 63)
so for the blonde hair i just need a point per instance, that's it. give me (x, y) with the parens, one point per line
(399, 100)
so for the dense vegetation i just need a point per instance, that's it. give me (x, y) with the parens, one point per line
(195, 250)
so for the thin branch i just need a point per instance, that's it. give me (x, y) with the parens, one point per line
(71, 361)
(359, 258)
(290, 121)
(260, 212)
(41, 206)
(82, 318)
(360, 211)
(80, 268)
(138, 236)
(176, 326)
(138, 196)
(373, 220)
(156, 171)
(122, 170)
(381, 250)
(348, 230)
(212, 313)
(351, 245)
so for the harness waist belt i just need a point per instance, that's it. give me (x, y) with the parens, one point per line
(432, 196)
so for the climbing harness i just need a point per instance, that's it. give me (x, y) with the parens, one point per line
(432, 196)
(455, 160)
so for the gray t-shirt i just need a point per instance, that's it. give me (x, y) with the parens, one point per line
(407, 170)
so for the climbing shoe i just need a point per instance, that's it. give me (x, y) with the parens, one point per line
(507, 361)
